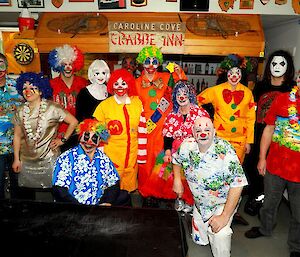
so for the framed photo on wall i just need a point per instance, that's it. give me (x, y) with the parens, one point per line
(31, 3)
(5, 3)
(111, 4)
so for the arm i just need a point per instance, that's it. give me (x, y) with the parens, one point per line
(265, 143)
(17, 145)
(72, 121)
(142, 140)
(167, 147)
(217, 222)
(178, 73)
(250, 116)
(177, 184)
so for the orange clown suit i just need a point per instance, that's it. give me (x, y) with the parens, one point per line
(151, 94)
(127, 128)
(234, 114)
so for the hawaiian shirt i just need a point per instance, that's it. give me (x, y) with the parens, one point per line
(9, 100)
(85, 179)
(210, 175)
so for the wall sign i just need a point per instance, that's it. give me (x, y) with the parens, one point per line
(131, 37)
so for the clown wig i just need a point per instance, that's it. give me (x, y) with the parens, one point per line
(98, 65)
(149, 51)
(66, 54)
(190, 90)
(126, 76)
(36, 79)
(94, 126)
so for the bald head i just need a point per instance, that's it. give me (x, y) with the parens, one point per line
(203, 132)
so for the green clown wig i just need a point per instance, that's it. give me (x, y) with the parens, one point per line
(149, 51)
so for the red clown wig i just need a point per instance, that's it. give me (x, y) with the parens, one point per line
(126, 76)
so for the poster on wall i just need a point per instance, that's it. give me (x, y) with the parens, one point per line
(131, 37)
(31, 4)
(111, 4)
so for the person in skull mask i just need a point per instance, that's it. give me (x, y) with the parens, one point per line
(278, 78)
(216, 179)
(84, 174)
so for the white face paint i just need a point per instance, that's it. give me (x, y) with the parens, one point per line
(99, 76)
(278, 66)
(182, 96)
(120, 87)
(234, 76)
(203, 132)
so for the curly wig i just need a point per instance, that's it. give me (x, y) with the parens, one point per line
(290, 72)
(36, 79)
(126, 76)
(63, 54)
(94, 126)
(191, 93)
(149, 51)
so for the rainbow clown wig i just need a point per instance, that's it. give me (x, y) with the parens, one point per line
(66, 54)
(126, 76)
(185, 85)
(95, 126)
(149, 51)
(36, 79)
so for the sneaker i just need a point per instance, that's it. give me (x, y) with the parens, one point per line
(179, 204)
(253, 206)
(187, 208)
(253, 233)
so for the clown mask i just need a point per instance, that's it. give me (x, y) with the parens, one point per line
(182, 96)
(100, 76)
(203, 132)
(234, 76)
(129, 65)
(31, 92)
(150, 65)
(120, 87)
(89, 141)
(3, 68)
(278, 66)
(67, 70)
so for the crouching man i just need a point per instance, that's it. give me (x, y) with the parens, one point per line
(216, 180)
(84, 174)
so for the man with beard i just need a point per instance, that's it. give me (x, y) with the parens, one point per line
(216, 179)
(84, 174)
(66, 60)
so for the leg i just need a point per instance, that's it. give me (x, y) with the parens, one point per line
(13, 179)
(294, 231)
(199, 229)
(274, 187)
(2, 169)
(221, 242)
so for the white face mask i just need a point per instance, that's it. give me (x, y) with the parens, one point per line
(100, 76)
(278, 66)
(234, 76)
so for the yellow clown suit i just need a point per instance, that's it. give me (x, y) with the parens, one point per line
(127, 128)
(234, 114)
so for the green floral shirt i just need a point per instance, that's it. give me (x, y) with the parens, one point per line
(210, 175)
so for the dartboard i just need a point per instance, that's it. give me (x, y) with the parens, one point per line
(23, 53)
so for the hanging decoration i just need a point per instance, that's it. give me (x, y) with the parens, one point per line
(57, 3)
(280, 2)
(138, 3)
(246, 4)
(264, 2)
(225, 5)
(23, 53)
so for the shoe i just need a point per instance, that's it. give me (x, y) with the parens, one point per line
(295, 254)
(187, 208)
(253, 233)
(238, 219)
(252, 206)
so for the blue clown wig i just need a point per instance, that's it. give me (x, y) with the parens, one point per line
(36, 79)
(190, 90)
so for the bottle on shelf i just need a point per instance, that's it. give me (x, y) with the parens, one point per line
(185, 68)
(198, 87)
(202, 85)
(192, 82)
(212, 71)
(206, 68)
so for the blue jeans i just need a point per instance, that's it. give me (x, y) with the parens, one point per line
(274, 188)
(6, 161)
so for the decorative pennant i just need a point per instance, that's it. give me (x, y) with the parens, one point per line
(280, 2)
(225, 5)
(264, 2)
(296, 6)
(57, 3)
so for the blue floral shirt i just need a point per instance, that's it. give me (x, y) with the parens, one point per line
(9, 100)
(86, 180)
(210, 175)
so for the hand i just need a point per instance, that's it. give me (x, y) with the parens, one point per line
(105, 204)
(16, 166)
(55, 143)
(168, 156)
(247, 148)
(178, 187)
(261, 166)
(218, 222)
(177, 69)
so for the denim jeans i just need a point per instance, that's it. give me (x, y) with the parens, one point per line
(6, 161)
(274, 188)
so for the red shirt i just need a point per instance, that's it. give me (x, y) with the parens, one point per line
(65, 96)
(284, 153)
